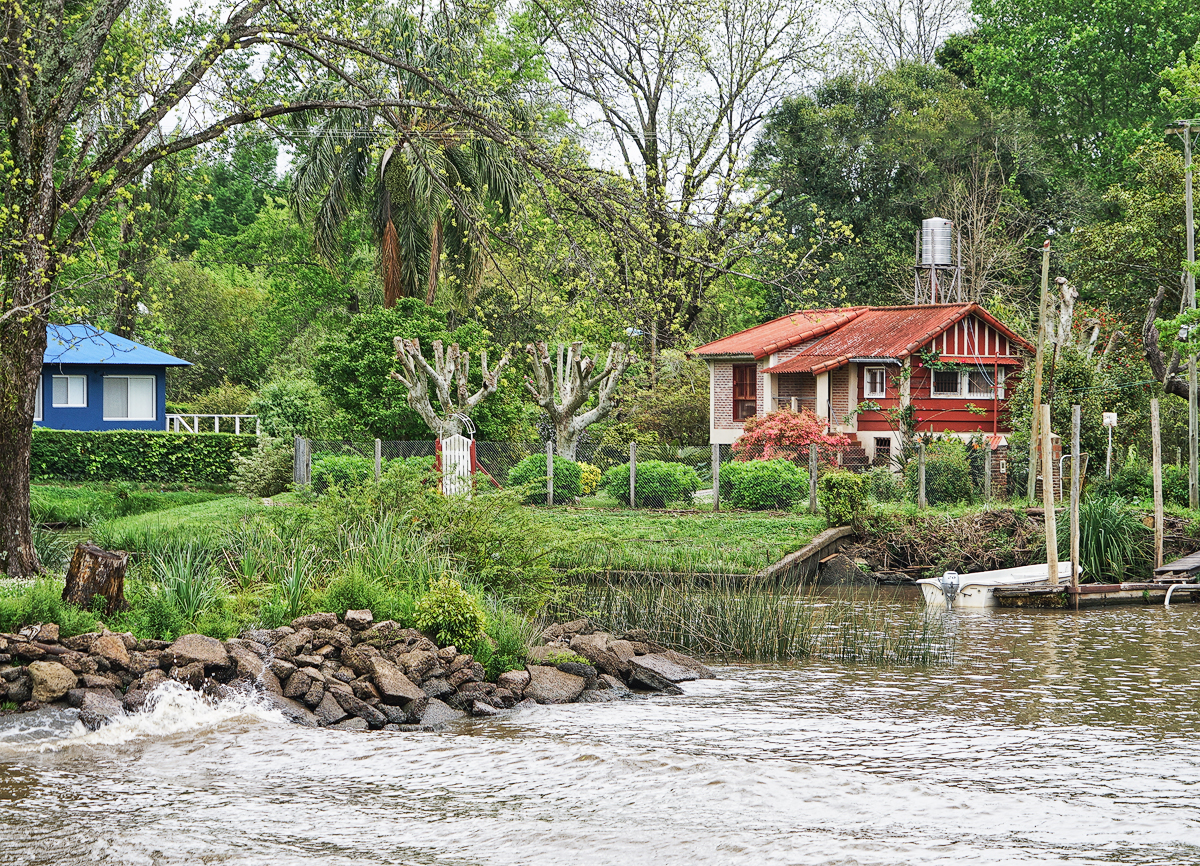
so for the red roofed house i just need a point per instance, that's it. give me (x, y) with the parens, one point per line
(831, 361)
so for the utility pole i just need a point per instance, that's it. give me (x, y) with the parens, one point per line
(1193, 422)
(1043, 314)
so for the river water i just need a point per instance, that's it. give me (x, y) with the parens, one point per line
(1053, 738)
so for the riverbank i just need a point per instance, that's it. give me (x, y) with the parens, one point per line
(322, 670)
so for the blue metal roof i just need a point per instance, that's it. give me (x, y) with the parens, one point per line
(85, 344)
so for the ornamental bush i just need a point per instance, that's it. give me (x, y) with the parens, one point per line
(449, 615)
(843, 497)
(589, 478)
(530, 476)
(785, 433)
(947, 474)
(763, 484)
(342, 470)
(656, 484)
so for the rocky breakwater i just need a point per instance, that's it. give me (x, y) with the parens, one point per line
(350, 673)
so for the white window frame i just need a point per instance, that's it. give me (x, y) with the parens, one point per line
(69, 377)
(867, 392)
(964, 386)
(997, 390)
(38, 412)
(933, 391)
(153, 400)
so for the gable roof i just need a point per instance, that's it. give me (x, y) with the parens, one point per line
(85, 344)
(852, 332)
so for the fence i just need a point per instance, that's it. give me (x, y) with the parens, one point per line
(640, 478)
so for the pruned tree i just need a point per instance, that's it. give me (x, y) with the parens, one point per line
(562, 392)
(449, 376)
(1165, 371)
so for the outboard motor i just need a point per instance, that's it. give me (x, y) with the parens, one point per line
(949, 584)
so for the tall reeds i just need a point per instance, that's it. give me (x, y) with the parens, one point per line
(721, 618)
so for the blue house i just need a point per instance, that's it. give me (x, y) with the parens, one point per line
(94, 380)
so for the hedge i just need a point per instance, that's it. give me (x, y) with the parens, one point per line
(763, 484)
(530, 474)
(656, 484)
(135, 455)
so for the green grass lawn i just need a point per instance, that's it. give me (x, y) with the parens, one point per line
(203, 524)
(614, 539)
(84, 504)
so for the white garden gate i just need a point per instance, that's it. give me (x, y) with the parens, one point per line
(458, 460)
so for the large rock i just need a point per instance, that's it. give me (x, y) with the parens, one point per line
(250, 665)
(358, 620)
(566, 630)
(293, 711)
(315, 621)
(663, 667)
(50, 681)
(191, 648)
(438, 713)
(437, 687)
(645, 678)
(514, 681)
(141, 662)
(702, 671)
(81, 642)
(549, 685)
(591, 677)
(297, 685)
(329, 711)
(841, 570)
(358, 707)
(419, 664)
(394, 687)
(288, 646)
(595, 648)
(613, 684)
(98, 709)
(190, 675)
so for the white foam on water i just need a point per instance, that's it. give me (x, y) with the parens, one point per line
(172, 708)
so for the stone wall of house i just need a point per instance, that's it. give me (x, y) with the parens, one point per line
(723, 397)
(803, 386)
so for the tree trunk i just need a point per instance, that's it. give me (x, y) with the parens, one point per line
(97, 572)
(22, 345)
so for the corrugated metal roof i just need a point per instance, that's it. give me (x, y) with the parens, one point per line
(853, 332)
(85, 344)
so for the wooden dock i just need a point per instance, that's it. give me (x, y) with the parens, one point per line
(1090, 595)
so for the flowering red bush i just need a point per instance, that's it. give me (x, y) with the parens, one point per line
(787, 434)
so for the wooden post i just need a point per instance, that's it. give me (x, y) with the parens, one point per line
(1076, 481)
(987, 473)
(922, 502)
(1048, 498)
(632, 474)
(716, 476)
(95, 571)
(550, 471)
(813, 462)
(378, 460)
(1156, 442)
(1190, 298)
(1043, 314)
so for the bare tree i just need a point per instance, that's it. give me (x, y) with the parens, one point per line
(894, 31)
(449, 375)
(563, 392)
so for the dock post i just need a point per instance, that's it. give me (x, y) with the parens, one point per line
(1156, 440)
(1048, 498)
(716, 476)
(813, 450)
(1076, 481)
(922, 502)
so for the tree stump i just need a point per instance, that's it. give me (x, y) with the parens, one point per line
(95, 571)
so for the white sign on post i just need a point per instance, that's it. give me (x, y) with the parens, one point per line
(1110, 419)
(456, 465)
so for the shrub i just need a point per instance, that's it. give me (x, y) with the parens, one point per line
(785, 433)
(947, 473)
(763, 484)
(1175, 485)
(657, 483)
(449, 615)
(589, 478)
(135, 455)
(530, 475)
(265, 471)
(885, 484)
(843, 497)
(290, 407)
(1112, 540)
(341, 470)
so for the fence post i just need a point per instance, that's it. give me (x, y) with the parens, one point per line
(1156, 442)
(378, 460)
(1073, 515)
(1048, 495)
(921, 501)
(987, 473)
(716, 476)
(301, 463)
(632, 473)
(549, 473)
(813, 457)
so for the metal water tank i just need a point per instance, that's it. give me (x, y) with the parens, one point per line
(936, 237)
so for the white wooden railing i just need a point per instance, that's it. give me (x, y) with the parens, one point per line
(178, 423)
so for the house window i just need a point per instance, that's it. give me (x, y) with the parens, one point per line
(876, 382)
(979, 383)
(745, 391)
(883, 450)
(70, 391)
(37, 401)
(947, 383)
(129, 398)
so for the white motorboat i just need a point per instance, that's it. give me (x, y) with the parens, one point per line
(974, 591)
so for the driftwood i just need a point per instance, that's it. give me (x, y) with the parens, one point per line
(95, 572)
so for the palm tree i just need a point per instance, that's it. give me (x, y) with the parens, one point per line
(432, 194)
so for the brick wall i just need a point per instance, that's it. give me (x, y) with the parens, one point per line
(723, 397)
(839, 393)
(800, 385)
